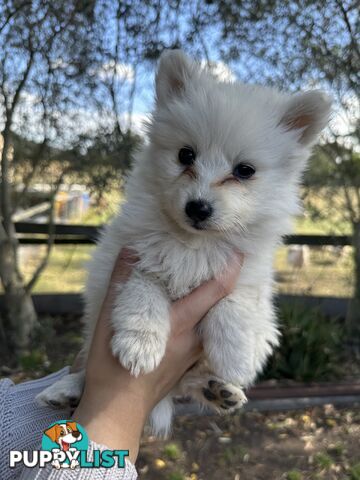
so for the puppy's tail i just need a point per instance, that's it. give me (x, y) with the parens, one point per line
(161, 417)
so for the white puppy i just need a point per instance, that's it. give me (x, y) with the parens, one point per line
(221, 171)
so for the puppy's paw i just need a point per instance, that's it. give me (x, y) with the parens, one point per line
(64, 393)
(223, 397)
(138, 352)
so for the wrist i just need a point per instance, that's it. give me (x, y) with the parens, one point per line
(116, 421)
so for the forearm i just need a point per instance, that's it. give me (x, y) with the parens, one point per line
(22, 423)
(113, 420)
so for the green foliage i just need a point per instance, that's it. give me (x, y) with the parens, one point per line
(331, 164)
(33, 360)
(309, 348)
(235, 452)
(176, 476)
(323, 460)
(355, 472)
(294, 475)
(337, 449)
(172, 451)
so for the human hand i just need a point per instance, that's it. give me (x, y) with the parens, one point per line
(115, 404)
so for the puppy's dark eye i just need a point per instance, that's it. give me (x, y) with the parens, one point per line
(186, 156)
(243, 170)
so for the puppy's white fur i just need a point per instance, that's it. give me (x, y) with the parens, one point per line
(225, 123)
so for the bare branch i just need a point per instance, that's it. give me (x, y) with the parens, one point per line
(5, 206)
(200, 36)
(50, 242)
(113, 80)
(353, 40)
(13, 13)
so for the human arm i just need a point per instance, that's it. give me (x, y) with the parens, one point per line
(108, 410)
(115, 405)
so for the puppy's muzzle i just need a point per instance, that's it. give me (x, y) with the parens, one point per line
(198, 210)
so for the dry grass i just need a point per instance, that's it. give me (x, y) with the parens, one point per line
(329, 272)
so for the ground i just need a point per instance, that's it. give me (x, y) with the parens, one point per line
(320, 443)
(313, 444)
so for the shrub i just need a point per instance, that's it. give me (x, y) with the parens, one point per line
(355, 472)
(294, 475)
(323, 460)
(310, 345)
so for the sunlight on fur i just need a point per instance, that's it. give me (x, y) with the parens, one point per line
(221, 171)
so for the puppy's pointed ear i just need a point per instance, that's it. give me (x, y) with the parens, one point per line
(53, 432)
(308, 113)
(174, 71)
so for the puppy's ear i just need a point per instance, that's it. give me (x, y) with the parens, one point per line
(53, 432)
(308, 113)
(174, 71)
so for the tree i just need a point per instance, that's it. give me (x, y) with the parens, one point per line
(62, 95)
(43, 51)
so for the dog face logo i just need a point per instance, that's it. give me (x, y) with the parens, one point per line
(64, 434)
(65, 439)
(65, 444)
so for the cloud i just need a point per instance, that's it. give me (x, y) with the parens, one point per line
(123, 71)
(220, 70)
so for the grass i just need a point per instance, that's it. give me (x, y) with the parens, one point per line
(337, 449)
(294, 475)
(65, 271)
(172, 451)
(328, 273)
(235, 452)
(176, 476)
(355, 472)
(323, 461)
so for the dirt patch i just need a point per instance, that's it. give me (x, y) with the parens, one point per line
(320, 443)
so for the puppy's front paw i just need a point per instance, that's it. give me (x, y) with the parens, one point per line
(138, 352)
(64, 393)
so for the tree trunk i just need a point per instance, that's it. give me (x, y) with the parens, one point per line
(20, 318)
(353, 314)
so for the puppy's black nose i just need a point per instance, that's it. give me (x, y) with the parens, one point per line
(198, 210)
(76, 433)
